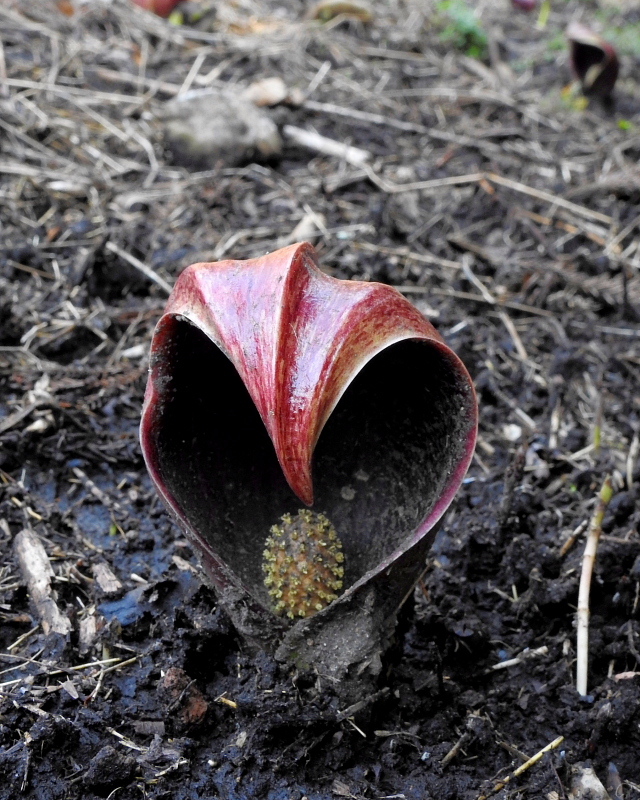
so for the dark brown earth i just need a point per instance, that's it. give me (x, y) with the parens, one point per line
(152, 695)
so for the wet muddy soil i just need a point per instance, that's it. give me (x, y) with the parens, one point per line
(152, 694)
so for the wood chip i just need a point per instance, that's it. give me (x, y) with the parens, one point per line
(105, 578)
(149, 727)
(87, 632)
(37, 573)
(585, 785)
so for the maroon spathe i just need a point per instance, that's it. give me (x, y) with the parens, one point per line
(269, 380)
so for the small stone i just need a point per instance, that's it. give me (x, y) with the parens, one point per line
(512, 432)
(267, 92)
(205, 127)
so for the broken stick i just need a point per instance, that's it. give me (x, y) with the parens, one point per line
(37, 573)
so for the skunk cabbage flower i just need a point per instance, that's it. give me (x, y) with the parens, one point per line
(525, 5)
(593, 60)
(308, 434)
(162, 8)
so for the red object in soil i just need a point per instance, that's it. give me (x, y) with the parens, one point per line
(261, 367)
(525, 5)
(594, 61)
(160, 7)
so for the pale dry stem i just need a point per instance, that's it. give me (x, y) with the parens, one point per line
(588, 561)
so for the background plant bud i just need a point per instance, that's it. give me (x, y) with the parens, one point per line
(594, 61)
(525, 5)
(162, 8)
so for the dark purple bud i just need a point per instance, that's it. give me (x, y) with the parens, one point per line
(525, 5)
(593, 60)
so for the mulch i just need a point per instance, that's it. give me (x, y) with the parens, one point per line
(500, 204)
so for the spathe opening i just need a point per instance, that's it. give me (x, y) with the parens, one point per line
(382, 460)
(389, 448)
(586, 56)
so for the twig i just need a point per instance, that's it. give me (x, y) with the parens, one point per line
(96, 491)
(97, 688)
(506, 320)
(310, 226)
(23, 638)
(4, 89)
(523, 656)
(313, 140)
(596, 433)
(25, 773)
(137, 264)
(523, 767)
(127, 742)
(476, 177)
(632, 457)
(476, 298)
(573, 538)
(588, 561)
(611, 330)
(505, 398)
(226, 701)
(17, 416)
(193, 72)
(37, 572)
(404, 252)
(513, 751)
(24, 660)
(65, 670)
(457, 747)
(91, 94)
(435, 183)
(365, 116)
(107, 669)
(549, 198)
(176, 703)
(367, 701)
(473, 726)
(451, 95)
